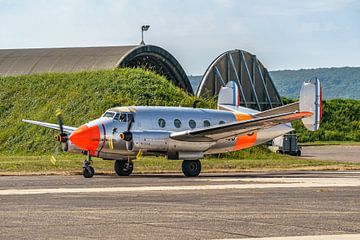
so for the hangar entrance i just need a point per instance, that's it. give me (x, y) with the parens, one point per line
(257, 90)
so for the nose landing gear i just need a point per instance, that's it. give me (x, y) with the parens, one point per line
(88, 170)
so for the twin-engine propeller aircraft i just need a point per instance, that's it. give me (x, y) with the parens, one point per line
(180, 133)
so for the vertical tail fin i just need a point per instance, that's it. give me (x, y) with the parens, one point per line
(311, 101)
(229, 95)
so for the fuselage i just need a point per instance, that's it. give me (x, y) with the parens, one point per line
(151, 128)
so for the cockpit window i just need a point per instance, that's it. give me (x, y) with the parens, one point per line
(123, 118)
(109, 114)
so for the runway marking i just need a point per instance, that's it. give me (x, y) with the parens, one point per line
(315, 237)
(256, 183)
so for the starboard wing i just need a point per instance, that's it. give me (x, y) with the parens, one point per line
(232, 129)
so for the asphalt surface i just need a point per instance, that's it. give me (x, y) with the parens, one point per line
(338, 153)
(212, 206)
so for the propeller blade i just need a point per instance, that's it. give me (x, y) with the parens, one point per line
(129, 145)
(139, 155)
(130, 124)
(60, 121)
(62, 137)
(65, 146)
(53, 158)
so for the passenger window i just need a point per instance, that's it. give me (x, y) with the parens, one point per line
(221, 122)
(177, 123)
(117, 116)
(192, 124)
(206, 123)
(161, 123)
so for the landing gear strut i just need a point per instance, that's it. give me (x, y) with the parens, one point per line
(191, 168)
(123, 167)
(88, 170)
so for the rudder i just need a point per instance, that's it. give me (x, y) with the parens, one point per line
(311, 101)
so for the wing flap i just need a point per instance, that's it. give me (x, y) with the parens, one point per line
(217, 132)
(67, 129)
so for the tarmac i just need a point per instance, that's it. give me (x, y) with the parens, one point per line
(338, 153)
(275, 205)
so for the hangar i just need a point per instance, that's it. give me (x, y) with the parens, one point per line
(257, 90)
(43, 60)
(256, 86)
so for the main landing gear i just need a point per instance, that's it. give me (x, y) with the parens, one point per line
(191, 168)
(123, 167)
(88, 170)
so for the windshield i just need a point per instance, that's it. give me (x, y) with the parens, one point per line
(109, 114)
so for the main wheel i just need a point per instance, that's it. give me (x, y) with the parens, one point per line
(191, 168)
(88, 172)
(123, 168)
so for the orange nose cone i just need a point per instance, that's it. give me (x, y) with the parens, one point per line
(87, 138)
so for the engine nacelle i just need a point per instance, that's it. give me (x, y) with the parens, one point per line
(150, 140)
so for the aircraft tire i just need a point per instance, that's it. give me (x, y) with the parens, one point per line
(123, 167)
(88, 173)
(191, 168)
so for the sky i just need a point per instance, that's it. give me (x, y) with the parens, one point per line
(284, 34)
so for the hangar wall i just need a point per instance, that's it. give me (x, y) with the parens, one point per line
(257, 90)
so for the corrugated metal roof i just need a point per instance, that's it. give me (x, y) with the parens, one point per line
(41, 60)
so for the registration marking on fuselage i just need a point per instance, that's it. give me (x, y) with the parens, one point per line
(252, 183)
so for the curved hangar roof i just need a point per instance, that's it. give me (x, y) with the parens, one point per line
(257, 90)
(28, 61)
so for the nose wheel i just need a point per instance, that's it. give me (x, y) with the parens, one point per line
(88, 170)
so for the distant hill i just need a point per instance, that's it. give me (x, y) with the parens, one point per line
(337, 82)
(341, 82)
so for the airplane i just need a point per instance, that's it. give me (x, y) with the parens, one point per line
(184, 133)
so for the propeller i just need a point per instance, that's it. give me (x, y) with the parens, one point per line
(62, 137)
(127, 136)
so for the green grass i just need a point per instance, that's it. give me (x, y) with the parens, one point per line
(258, 158)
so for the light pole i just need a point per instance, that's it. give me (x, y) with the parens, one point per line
(143, 29)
